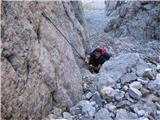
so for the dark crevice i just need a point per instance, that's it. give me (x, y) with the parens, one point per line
(38, 32)
(66, 11)
(27, 70)
(4, 8)
(2, 31)
(6, 54)
(53, 97)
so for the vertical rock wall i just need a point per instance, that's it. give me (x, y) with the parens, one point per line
(39, 69)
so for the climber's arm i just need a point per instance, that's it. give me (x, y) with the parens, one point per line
(96, 68)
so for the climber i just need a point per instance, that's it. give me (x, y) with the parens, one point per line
(96, 59)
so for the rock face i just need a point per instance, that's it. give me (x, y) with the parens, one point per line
(79, 13)
(137, 19)
(39, 69)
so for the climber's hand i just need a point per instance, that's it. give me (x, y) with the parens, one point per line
(91, 66)
(86, 59)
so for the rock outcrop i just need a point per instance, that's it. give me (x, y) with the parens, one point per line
(39, 69)
(139, 19)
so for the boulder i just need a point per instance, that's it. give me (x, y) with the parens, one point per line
(85, 108)
(155, 86)
(136, 85)
(110, 107)
(135, 93)
(118, 86)
(102, 114)
(75, 110)
(145, 91)
(97, 98)
(107, 92)
(127, 97)
(88, 95)
(123, 104)
(147, 104)
(88, 87)
(157, 105)
(55, 113)
(119, 96)
(125, 87)
(122, 114)
(140, 112)
(143, 82)
(67, 115)
(158, 114)
(129, 77)
(150, 74)
(140, 67)
(142, 118)
(158, 76)
(158, 68)
(115, 68)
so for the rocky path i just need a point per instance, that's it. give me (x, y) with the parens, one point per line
(127, 86)
(124, 44)
(96, 21)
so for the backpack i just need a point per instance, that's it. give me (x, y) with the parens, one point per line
(104, 51)
(105, 54)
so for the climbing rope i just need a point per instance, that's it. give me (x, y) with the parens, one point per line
(49, 19)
